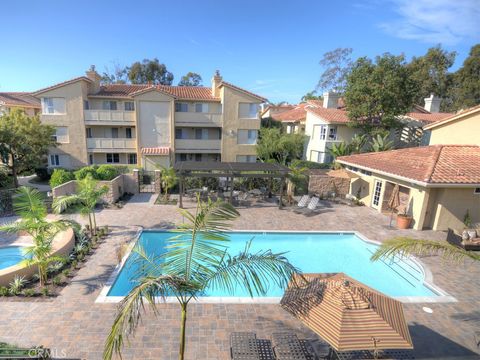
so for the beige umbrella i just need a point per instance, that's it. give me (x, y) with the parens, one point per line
(346, 313)
(394, 201)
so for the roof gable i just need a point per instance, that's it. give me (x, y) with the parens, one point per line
(20, 99)
(234, 87)
(454, 117)
(64, 83)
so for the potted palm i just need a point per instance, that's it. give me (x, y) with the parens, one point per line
(404, 220)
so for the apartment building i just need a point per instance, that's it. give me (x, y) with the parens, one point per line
(19, 100)
(149, 125)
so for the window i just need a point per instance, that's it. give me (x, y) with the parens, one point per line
(89, 133)
(61, 135)
(247, 111)
(115, 133)
(113, 158)
(179, 134)
(201, 108)
(323, 132)
(128, 133)
(201, 134)
(247, 137)
(332, 133)
(86, 105)
(198, 157)
(183, 157)
(90, 159)
(54, 160)
(377, 192)
(132, 158)
(129, 106)
(109, 105)
(247, 158)
(53, 106)
(476, 191)
(181, 107)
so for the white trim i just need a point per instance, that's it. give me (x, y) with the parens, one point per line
(442, 297)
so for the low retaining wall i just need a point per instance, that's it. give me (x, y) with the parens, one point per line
(324, 182)
(123, 183)
(63, 244)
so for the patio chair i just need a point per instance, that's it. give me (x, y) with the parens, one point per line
(243, 199)
(287, 346)
(303, 201)
(312, 205)
(246, 346)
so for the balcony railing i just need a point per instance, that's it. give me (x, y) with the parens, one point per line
(109, 117)
(101, 144)
(198, 119)
(194, 145)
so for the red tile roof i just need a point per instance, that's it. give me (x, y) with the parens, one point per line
(20, 99)
(454, 117)
(428, 117)
(330, 115)
(179, 92)
(435, 164)
(298, 113)
(160, 150)
(71, 81)
(224, 83)
(277, 109)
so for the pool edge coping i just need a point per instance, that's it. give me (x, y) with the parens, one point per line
(103, 297)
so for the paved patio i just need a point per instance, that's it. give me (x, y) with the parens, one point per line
(76, 327)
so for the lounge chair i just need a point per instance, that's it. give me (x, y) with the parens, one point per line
(246, 346)
(287, 346)
(312, 205)
(456, 239)
(303, 201)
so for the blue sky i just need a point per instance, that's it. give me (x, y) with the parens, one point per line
(269, 47)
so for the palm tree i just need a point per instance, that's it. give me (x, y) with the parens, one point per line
(296, 177)
(29, 204)
(169, 179)
(381, 143)
(84, 201)
(405, 246)
(196, 259)
(340, 149)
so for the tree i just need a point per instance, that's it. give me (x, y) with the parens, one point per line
(169, 179)
(117, 75)
(84, 201)
(296, 178)
(274, 145)
(195, 260)
(24, 142)
(377, 93)
(466, 92)
(381, 143)
(337, 64)
(430, 73)
(311, 96)
(404, 246)
(30, 206)
(270, 122)
(149, 71)
(191, 79)
(339, 149)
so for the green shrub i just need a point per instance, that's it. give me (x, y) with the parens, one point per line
(60, 176)
(107, 172)
(82, 173)
(42, 173)
(57, 280)
(45, 291)
(17, 284)
(310, 164)
(4, 291)
(4, 178)
(28, 292)
(66, 273)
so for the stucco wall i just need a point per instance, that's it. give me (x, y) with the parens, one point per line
(465, 131)
(67, 188)
(63, 244)
(76, 148)
(323, 185)
(231, 124)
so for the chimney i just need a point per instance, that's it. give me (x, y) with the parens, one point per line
(216, 81)
(432, 103)
(330, 100)
(95, 77)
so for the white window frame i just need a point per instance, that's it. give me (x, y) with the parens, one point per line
(53, 106)
(323, 132)
(332, 133)
(377, 194)
(249, 139)
(181, 107)
(54, 160)
(129, 106)
(62, 138)
(252, 112)
(107, 105)
(202, 108)
(112, 158)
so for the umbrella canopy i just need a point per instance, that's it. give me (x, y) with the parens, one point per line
(346, 313)
(394, 200)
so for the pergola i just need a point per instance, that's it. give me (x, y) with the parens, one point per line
(229, 170)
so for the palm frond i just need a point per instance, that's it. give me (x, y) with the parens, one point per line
(61, 203)
(404, 246)
(129, 311)
(29, 203)
(252, 271)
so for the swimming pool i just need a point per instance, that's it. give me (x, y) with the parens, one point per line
(311, 252)
(11, 255)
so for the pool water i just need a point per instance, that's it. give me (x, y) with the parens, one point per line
(310, 252)
(10, 255)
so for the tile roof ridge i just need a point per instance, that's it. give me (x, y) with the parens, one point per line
(431, 169)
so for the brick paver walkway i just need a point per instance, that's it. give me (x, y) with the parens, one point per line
(73, 324)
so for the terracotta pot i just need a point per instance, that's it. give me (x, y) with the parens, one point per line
(403, 221)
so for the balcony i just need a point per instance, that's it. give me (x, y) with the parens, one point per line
(198, 146)
(109, 117)
(198, 119)
(111, 145)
